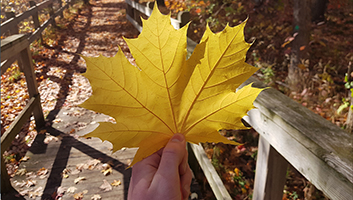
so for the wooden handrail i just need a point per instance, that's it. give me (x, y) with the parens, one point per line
(10, 46)
(16, 47)
(11, 24)
(318, 149)
(289, 133)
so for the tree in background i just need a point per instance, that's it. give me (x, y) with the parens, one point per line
(299, 53)
(318, 9)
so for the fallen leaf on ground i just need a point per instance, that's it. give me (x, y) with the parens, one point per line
(21, 172)
(30, 183)
(50, 138)
(24, 158)
(65, 173)
(96, 197)
(79, 179)
(20, 184)
(93, 163)
(78, 196)
(167, 93)
(106, 186)
(71, 189)
(36, 192)
(42, 171)
(60, 191)
(116, 183)
(107, 169)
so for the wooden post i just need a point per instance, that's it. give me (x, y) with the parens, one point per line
(271, 169)
(60, 6)
(136, 14)
(35, 15)
(32, 85)
(51, 13)
(35, 18)
(129, 10)
(184, 18)
(14, 29)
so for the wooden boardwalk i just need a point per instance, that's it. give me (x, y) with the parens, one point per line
(62, 157)
(57, 159)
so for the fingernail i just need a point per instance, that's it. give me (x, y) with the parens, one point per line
(178, 138)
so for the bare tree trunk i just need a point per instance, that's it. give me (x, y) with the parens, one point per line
(318, 9)
(302, 23)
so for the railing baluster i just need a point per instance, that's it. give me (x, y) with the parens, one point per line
(271, 169)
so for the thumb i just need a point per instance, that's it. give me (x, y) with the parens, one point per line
(173, 154)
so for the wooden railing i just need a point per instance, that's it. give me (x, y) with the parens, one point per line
(11, 25)
(289, 134)
(16, 47)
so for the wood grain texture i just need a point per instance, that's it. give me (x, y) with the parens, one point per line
(67, 154)
(271, 169)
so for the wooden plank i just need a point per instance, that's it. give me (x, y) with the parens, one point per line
(287, 126)
(12, 45)
(210, 173)
(271, 169)
(15, 127)
(7, 63)
(85, 150)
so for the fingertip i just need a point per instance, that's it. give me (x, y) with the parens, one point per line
(177, 137)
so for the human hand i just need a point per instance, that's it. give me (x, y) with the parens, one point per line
(164, 175)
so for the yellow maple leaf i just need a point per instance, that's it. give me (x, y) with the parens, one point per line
(167, 93)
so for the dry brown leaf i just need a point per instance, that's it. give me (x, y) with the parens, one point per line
(116, 183)
(24, 158)
(79, 179)
(20, 184)
(107, 169)
(96, 197)
(71, 189)
(35, 193)
(42, 171)
(78, 196)
(93, 163)
(106, 186)
(21, 172)
(30, 183)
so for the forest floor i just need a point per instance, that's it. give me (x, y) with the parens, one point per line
(96, 29)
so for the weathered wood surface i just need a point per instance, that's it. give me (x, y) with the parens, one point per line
(67, 151)
(18, 45)
(67, 154)
(271, 169)
(12, 45)
(318, 149)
